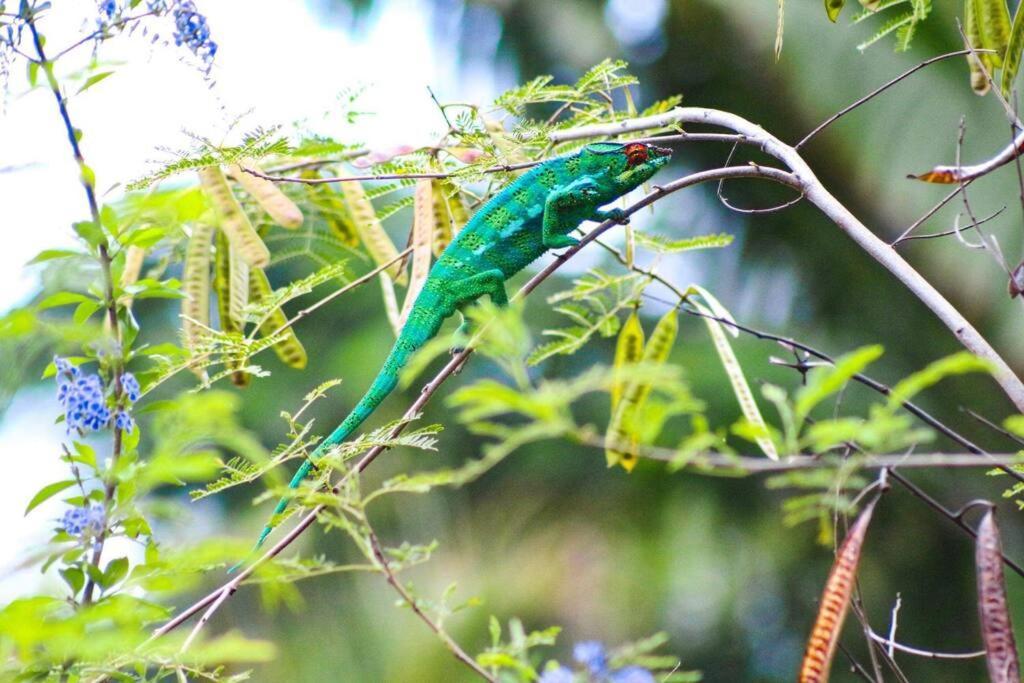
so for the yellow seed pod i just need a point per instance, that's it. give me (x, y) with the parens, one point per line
(623, 428)
(222, 288)
(195, 305)
(450, 214)
(288, 349)
(232, 219)
(268, 195)
(972, 29)
(134, 257)
(333, 210)
(371, 232)
(628, 349)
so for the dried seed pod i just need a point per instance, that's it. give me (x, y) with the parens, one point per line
(993, 609)
(835, 601)
(232, 219)
(423, 229)
(269, 196)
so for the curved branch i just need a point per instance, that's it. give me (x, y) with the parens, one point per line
(883, 253)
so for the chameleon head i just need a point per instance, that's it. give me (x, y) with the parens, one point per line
(624, 166)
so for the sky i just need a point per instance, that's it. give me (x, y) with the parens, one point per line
(152, 98)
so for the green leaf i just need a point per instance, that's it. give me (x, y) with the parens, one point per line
(88, 231)
(93, 80)
(833, 8)
(827, 381)
(52, 254)
(115, 571)
(956, 364)
(74, 577)
(666, 245)
(85, 311)
(62, 299)
(47, 492)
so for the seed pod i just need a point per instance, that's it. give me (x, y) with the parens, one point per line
(269, 196)
(972, 29)
(333, 210)
(222, 287)
(195, 306)
(232, 219)
(387, 288)
(1011, 61)
(628, 349)
(993, 610)
(423, 228)
(993, 18)
(371, 232)
(289, 349)
(450, 214)
(623, 428)
(835, 601)
(133, 260)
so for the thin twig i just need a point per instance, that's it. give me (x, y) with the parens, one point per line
(448, 641)
(930, 654)
(929, 213)
(947, 233)
(877, 91)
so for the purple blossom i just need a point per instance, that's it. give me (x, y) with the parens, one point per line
(123, 421)
(632, 674)
(80, 521)
(592, 655)
(558, 675)
(130, 387)
(192, 31)
(82, 397)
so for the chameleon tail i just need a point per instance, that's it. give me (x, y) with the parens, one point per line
(411, 338)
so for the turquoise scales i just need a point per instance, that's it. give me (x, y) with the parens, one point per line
(529, 217)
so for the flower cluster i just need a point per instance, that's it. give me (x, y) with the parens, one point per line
(85, 406)
(192, 31)
(108, 8)
(592, 656)
(84, 402)
(83, 521)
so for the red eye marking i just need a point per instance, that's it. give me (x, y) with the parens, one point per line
(636, 154)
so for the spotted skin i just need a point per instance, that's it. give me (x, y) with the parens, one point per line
(528, 218)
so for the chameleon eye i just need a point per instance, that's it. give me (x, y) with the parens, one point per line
(636, 154)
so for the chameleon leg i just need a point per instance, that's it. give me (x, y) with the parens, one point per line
(489, 282)
(565, 209)
(461, 335)
(617, 215)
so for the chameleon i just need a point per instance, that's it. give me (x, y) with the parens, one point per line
(529, 217)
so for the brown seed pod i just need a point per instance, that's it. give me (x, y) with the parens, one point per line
(835, 601)
(993, 611)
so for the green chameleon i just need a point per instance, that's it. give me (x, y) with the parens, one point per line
(529, 217)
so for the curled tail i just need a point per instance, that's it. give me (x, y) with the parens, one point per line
(423, 325)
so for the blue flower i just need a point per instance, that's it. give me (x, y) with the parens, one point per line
(85, 406)
(80, 521)
(632, 674)
(108, 7)
(592, 655)
(130, 387)
(192, 31)
(124, 421)
(558, 675)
